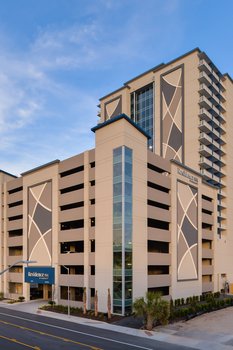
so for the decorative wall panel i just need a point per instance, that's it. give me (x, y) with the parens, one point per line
(113, 108)
(187, 232)
(40, 223)
(172, 101)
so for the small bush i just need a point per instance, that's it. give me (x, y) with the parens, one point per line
(21, 299)
(51, 303)
(1, 295)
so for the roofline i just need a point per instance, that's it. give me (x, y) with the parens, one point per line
(155, 69)
(119, 117)
(227, 75)
(6, 173)
(56, 161)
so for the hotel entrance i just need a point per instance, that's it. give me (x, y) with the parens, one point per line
(40, 291)
(41, 280)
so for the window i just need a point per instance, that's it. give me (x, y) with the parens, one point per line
(92, 269)
(142, 105)
(92, 243)
(72, 247)
(92, 222)
(71, 225)
(72, 188)
(72, 171)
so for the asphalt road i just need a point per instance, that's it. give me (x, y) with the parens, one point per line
(23, 331)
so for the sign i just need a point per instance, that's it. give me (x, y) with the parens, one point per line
(191, 178)
(40, 275)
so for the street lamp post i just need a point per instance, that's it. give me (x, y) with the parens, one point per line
(68, 288)
(16, 263)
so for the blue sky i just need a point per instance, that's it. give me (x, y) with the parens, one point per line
(58, 57)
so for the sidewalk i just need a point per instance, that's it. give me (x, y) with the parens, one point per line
(210, 331)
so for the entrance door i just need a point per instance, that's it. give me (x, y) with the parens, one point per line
(40, 291)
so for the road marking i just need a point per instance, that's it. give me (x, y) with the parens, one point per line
(49, 335)
(19, 342)
(74, 331)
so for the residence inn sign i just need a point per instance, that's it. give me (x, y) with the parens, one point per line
(40, 275)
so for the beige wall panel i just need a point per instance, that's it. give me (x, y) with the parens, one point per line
(158, 196)
(92, 174)
(71, 214)
(159, 179)
(18, 182)
(14, 211)
(207, 205)
(71, 235)
(207, 253)
(13, 259)
(207, 287)
(14, 241)
(71, 163)
(92, 281)
(159, 259)
(208, 219)
(155, 234)
(158, 213)
(91, 155)
(71, 259)
(155, 281)
(91, 192)
(14, 197)
(159, 162)
(91, 211)
(71, 280)
(207, 270)
(15, 277)
(92, 258)
(71, 180)
(92, 233)
(15, 225)
(207, 234)
(71, 197)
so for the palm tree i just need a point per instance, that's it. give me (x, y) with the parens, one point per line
(152, 308)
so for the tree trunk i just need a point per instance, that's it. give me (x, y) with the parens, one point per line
(84, 301)
(96, 304)
(109, 304)
(149, 322)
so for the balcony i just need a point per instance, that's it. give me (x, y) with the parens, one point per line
(204, 66)
(204, 126)
(205, 103)
(205, 163)
(204, 114)
(207, 140)
(207, 152)
(208, 176)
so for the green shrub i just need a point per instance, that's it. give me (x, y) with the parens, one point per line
(51, 303)
(21, 299)
(1, 295)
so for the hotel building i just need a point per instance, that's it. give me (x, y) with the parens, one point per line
(148, 209)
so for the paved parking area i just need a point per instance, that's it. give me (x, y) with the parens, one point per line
(215, 327)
